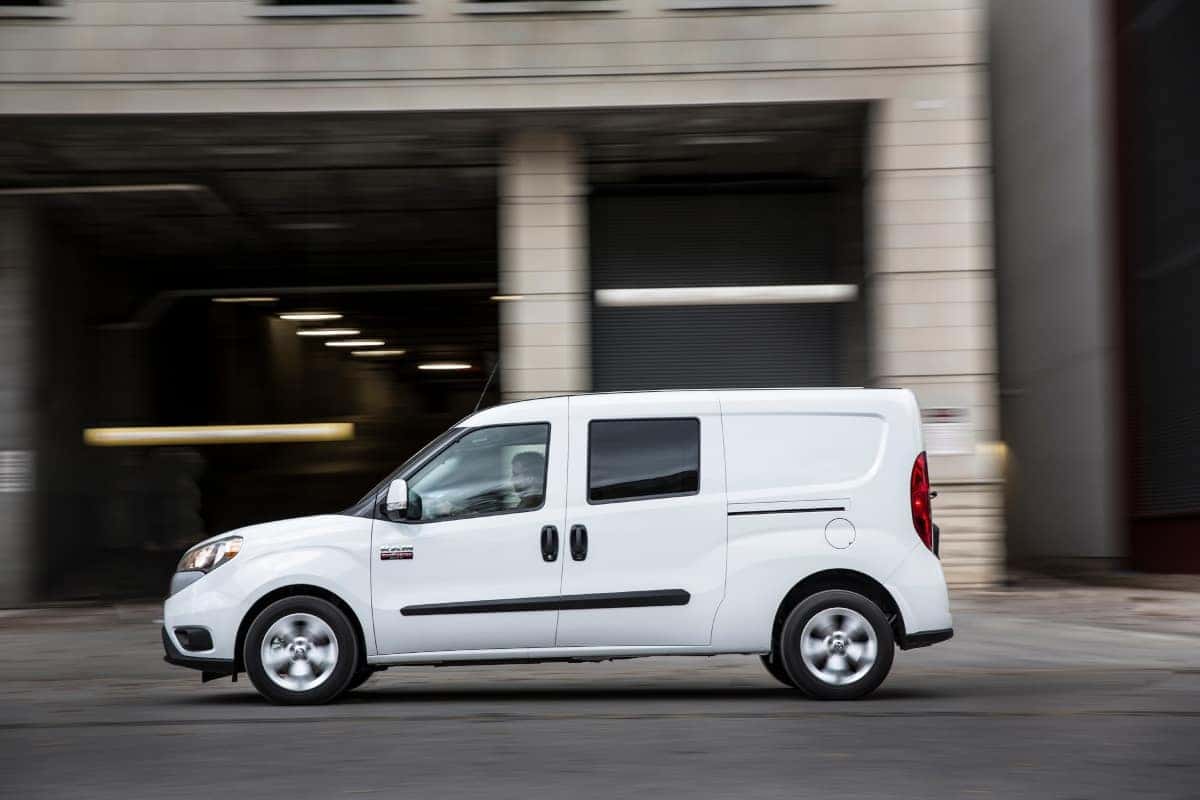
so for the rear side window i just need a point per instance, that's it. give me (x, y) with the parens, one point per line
(631, 459)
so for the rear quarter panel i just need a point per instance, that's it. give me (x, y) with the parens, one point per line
(847, 449)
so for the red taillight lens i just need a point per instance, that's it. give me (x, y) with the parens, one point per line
(918, 492)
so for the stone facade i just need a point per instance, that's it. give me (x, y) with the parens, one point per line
(543, 267)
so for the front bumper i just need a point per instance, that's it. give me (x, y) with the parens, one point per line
(210, 668)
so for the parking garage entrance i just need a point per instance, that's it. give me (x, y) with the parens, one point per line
(203, 273)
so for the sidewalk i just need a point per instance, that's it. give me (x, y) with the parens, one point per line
(1125, 607)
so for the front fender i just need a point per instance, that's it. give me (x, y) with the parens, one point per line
(332, 569)
(330, 553)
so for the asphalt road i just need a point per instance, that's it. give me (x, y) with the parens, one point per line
(1039, 695)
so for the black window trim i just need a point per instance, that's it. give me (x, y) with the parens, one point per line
(467, 432)
(587, 488)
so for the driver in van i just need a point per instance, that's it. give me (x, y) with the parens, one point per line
(528, 469)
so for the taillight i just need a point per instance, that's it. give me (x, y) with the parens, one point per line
(918, 493)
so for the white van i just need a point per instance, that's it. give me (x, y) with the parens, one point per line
(790, 524)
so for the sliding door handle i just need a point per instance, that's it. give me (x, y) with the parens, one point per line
(549, 543)
(579, 544)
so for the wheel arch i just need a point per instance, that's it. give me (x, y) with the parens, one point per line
(847, 579)
(296, 590)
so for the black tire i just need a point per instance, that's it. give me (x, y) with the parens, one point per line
(865, 613)
(360, 677)
(775, 666)
(340, 674)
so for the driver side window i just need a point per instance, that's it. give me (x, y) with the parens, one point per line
(487, 471)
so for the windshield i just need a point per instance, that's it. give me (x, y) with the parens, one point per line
(365, 507)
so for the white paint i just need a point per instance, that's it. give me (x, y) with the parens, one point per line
(480, 558)
(653, 543)
(839, 533)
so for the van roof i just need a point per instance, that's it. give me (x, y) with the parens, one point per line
(724, 389)
(494, 413)
(863, 400)
(714, 389)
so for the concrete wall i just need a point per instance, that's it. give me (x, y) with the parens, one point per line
(931, 293)
(545, 328)
(1052, 128)
(113, 56)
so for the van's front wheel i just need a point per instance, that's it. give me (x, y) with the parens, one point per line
(837, 645)
(301, 651)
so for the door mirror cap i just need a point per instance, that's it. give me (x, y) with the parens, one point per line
(396, 502)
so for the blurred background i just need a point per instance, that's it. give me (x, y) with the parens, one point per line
(275, 214)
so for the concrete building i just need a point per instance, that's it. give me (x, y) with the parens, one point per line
(1095, 134)
(576, 187)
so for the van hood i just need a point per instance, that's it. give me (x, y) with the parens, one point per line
(280, 530)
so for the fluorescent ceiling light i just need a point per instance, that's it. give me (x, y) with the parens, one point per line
(377, 353)
(310, 316)
(729, 295)
(356, 342)
(131, 188)
(728, 139)
(501, 298)
(249, 150)
(219, 434)
(245, 299)
(329, 332)
(444, 366)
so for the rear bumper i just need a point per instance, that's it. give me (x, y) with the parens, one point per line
(911, 641)
(211, 667)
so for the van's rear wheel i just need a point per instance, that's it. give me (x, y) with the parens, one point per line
(836, 645)
(774, 665)
(301, 651)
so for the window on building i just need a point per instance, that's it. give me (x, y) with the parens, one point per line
(334, 8)
(632, 459)
(32, 8)
(723, 5)
(488, 471)
(539, 6)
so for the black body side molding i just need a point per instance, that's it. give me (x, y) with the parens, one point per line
(555, 602)
(787, 511)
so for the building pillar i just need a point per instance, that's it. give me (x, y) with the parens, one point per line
(17, 428)
(931, 289)
(545, 338)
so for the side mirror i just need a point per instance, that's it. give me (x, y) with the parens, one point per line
(396, 503)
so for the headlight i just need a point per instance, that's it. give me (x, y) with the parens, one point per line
(207, 557)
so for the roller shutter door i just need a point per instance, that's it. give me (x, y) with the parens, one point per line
(706, 239)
